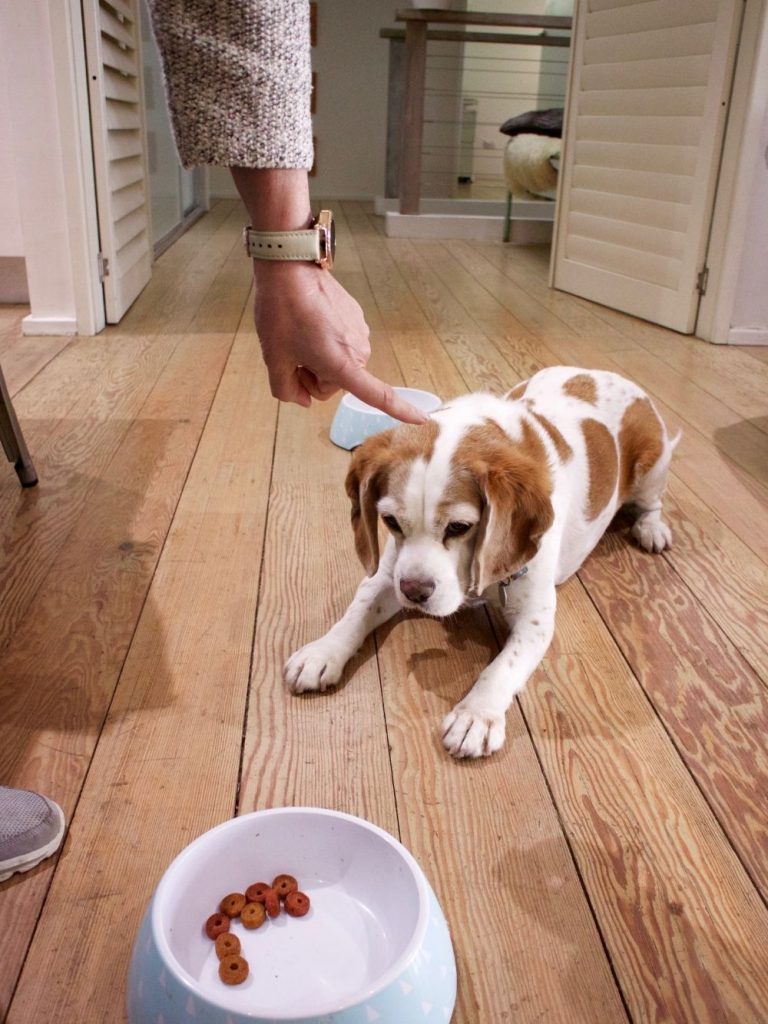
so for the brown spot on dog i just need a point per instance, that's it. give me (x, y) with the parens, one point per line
(518, 390)
(564, 450)
(513, 480)
(462, 489)
(369, 476)
(582, 386)
(641, 443)
(603, 466)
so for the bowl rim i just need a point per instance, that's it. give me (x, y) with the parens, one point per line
(381, 983)
(348, 400)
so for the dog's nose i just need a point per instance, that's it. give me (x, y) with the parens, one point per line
(416, 589)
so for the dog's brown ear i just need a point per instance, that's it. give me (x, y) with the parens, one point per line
(515, 484)
(364, 484)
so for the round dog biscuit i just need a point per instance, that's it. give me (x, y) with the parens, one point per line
(296, 904)
(233, 970)
(227, 944)
(255, 893)
(232, 905)
(216, 924)
(284, 884)
(253, 915)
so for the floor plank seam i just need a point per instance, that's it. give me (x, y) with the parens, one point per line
(257, 609)
(763, 897)
(702, 498)
(386, 735)
(18, 391)
(719, 625)
(566, 837)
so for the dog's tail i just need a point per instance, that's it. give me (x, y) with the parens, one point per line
(675, 441)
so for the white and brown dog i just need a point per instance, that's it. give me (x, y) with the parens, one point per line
(509, 492)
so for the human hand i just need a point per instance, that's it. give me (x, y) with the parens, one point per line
(315, 340)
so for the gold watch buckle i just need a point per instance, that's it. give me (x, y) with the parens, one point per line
(326, 230)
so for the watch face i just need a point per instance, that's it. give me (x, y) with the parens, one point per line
(328, 238)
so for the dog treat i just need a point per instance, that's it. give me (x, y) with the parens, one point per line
(284, 884)
(272, 902)
(233, 970)
(232, 905)
(255, 893)
(253, 915)
(296, 903)
(227, 944)
(216, 925)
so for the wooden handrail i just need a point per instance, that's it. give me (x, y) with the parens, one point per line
(450, 36)
(481, 18)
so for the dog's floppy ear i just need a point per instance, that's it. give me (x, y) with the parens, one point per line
(515, 485)
(364, 484)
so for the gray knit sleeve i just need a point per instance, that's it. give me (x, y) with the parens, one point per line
(238, 79)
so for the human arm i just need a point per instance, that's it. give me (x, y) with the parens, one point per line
(238, 79)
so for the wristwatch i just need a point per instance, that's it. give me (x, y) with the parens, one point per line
(317, 244)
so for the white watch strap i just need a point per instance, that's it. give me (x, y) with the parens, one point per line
(282, 245)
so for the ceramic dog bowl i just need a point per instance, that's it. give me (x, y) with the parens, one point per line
(354, 420)
(373, 947)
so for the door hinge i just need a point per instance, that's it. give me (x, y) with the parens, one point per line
(701, 281)
(103, 266)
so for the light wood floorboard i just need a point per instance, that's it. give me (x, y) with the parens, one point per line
(610, 864)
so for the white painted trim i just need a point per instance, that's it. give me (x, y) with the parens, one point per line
(748, 336)
(36, 325)
(73, 116)
(740, 155)
(490, 229)
(522, 209)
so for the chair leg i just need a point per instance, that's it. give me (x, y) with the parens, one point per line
(12, 439)
(508, 218)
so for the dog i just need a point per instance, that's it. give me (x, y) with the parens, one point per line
(505, 494)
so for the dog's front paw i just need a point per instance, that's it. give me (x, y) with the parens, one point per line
(315, 666)
(471, 732)
(652, 535)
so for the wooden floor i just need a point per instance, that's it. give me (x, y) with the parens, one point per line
(610, 864)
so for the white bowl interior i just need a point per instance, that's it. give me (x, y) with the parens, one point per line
(423, 400)
(368, 904)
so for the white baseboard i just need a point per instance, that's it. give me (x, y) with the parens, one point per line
(522, 209)
(489, 229)
(48, 325)
(748, 336)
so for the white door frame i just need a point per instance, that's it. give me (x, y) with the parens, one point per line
(741, 152)
(74, 118)
(42, 46)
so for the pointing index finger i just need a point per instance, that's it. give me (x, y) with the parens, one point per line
(375, 392)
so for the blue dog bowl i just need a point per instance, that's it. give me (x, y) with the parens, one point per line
(374, 946)
(354, 420)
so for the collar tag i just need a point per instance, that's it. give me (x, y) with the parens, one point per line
(504, 584)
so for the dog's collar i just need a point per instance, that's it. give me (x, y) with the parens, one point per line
(503, 584)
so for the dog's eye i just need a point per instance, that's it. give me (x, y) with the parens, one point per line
(392, 524)
(457, 529)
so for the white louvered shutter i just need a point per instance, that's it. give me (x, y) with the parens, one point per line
(112, 38)
(646, 112)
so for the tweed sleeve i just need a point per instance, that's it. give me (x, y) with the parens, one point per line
(238, 80)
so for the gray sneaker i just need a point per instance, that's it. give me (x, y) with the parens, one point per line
(31, 829)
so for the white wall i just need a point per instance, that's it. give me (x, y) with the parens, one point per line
(350, 121)
(13, 273)
(750, 309)
(45, 118)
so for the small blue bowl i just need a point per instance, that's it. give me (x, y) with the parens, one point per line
(354, 420)
(374, 946)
